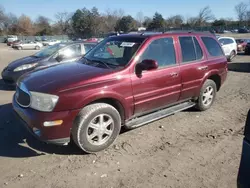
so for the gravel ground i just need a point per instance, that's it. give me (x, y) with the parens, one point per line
(188, 149)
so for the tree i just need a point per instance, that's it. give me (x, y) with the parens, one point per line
(63, 23)
(125, 24)
(24, 25)
(147, 21)
(140, 18)
(241, 10)
(175, 21)
(205, 15)
(219, 23)
(43, 26)
(85, 22)
(157, 22)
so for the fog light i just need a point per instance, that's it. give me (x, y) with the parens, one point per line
(52, 123)
(37, 131)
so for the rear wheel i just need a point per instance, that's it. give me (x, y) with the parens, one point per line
(207, 95)
(37, 47)
(19, 48)
(96, 127)
(232, 55)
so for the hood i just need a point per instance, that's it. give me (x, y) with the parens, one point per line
(60, 77)
(22, 61)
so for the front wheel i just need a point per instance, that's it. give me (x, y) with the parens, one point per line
(19, 48)
(207, 95)
(96, 127)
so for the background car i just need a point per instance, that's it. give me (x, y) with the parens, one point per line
(11, 38)
(50, 42)
(229, 46)
(247, 49)
(52, 55)
(241, 44)
(243, 30)
(28, 45)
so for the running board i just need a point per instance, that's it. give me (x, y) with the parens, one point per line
(140, 121)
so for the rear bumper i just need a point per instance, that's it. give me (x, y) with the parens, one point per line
(243, 180)
(33, 120)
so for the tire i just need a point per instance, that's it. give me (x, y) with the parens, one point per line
(232, 55)
(89, 117)
(19, 48)
(201, 102)
(37, 47)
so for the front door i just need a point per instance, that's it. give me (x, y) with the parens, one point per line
(161, 87)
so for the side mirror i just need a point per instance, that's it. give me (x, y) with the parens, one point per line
(59, 57)
(147, 64)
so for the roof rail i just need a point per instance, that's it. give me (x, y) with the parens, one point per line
(150, 33)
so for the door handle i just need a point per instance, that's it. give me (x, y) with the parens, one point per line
(203, 68)
(173, 74)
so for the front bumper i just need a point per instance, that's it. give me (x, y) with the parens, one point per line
(34, 119)
(10, 77)
(243, 180)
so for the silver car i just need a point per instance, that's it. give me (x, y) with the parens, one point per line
(29, 45)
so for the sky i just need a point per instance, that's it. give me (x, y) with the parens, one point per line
(187, 8)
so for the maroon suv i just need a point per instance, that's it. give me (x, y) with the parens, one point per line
(126, 80)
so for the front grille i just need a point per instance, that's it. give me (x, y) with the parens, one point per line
(22, 97)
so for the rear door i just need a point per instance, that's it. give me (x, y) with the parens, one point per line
(161, 87)
(192, 67)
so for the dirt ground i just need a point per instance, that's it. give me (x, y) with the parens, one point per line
(189, 149)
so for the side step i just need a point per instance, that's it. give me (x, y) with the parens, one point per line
(140, 121)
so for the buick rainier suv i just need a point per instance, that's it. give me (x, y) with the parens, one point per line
(128, 80)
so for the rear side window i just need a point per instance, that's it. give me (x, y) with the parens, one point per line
(226, 41)
(199, 53)
(187, 49)
(213, 47)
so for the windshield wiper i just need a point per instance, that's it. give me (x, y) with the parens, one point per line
(99, 61)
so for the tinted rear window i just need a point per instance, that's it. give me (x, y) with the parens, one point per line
(213, 47)
(187, 49)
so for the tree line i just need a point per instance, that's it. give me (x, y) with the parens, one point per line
(90, 22)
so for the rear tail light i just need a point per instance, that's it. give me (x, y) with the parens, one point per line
(247, 127)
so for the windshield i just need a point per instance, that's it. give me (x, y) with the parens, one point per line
(115, 51)
(49, 50)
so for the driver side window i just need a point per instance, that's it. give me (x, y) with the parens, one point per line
(161, 50)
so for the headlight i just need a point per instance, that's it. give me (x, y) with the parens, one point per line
(24, 67)
(43, 102)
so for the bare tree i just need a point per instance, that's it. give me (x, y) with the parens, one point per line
(63, 22)
(140, 18)
(241, 10)
(25, 25)
(175, 21)
(205, 15)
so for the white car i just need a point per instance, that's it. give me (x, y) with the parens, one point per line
(29, 45)
(11, 38)
(51, 42)
(229, 46)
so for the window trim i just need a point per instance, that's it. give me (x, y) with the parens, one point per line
(194, 61)
(163, 67)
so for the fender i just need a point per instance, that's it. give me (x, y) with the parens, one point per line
(206, 76)
(127, 103)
